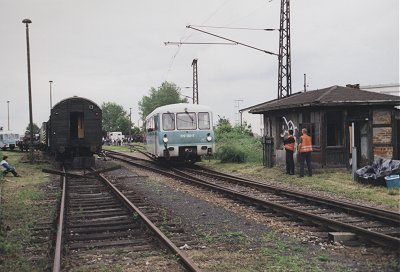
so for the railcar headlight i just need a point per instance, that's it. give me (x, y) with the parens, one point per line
(165, 139)
(209, 138)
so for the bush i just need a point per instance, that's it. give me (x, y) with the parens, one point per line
(230, 153)
(236, 144)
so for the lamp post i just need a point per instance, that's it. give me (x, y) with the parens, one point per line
(8, 114)
(130, 124)
(27, 22)
(51, 103)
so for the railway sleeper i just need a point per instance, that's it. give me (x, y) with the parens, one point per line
(94, 215)
(110, 223)
(91, 207)
(100, 219)
(96, 210)
(103, 236)
(99, 229)
(134, 244)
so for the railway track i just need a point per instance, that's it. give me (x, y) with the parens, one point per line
(96, 220)
(375, 225)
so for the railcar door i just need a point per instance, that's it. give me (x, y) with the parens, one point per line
(156, 135)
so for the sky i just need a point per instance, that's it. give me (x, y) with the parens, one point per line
(114, 51)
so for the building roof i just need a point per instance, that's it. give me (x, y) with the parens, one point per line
(332, 96)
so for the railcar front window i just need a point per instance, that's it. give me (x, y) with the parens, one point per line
(204, 120)
(186, 120)
(168, 120)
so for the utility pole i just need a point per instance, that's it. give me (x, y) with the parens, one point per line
(284, 67)
(8, 114)
(130, 124)
(195, 83)
(27, 22)
(237, 113)
(51, 101)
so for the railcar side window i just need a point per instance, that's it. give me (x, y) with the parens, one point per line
(186, 120)
(150, 124)
(204, 120)
(168, 121)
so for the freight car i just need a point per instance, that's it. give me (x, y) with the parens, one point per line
(181, 132)
(74, 131)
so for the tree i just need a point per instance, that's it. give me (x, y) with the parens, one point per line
(36, 129)
(167, 93)
(115, 118)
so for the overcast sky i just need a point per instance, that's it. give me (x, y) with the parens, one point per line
(114, 50)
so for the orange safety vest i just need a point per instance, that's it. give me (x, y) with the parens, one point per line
(306, 144)
(291, 145)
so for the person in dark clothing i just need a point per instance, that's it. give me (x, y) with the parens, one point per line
(289, 143)
(7, 167)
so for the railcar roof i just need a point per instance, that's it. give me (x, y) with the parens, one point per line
(75, 98)
(180, 107)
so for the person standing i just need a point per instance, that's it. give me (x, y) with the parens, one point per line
(305, 149)
(289, 143)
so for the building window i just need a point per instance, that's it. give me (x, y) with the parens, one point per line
(311, 122)
(313, 131)
(334, 127)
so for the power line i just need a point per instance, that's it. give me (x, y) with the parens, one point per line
(179, 43)
(246, 45)
(238, 28)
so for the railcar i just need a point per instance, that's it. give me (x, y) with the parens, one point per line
(74, 130)
(8, 140)
(181, 132)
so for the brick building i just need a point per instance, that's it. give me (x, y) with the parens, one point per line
(328, 114)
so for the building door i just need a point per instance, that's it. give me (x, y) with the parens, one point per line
(361, 142)
(398, 140)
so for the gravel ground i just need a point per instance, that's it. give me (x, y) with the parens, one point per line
(233, 237)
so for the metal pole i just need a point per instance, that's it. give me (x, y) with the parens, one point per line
(130, 124)
(27, 22)
(353, 153)
(8, 114)
(51, 103)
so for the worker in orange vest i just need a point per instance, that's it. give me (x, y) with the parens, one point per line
(289, 143)
(305, 149)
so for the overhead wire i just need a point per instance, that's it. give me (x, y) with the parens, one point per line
(183, 39)
(237, 28)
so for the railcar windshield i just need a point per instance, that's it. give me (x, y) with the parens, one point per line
(204, 120)
(186, 120)
(168, 121)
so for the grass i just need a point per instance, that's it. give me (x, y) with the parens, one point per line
(333, 181)
(19, 211)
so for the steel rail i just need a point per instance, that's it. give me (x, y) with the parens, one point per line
(189, 264)
(387, 216)
(378, 238)
(380, 214)
(60, 228)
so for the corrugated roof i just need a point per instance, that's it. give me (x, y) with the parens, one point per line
(332, 96)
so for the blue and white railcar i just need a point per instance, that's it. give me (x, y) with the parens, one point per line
(182, 132)
(8, 140)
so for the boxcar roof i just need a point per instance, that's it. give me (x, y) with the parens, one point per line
(180, 107)
(76, 98)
